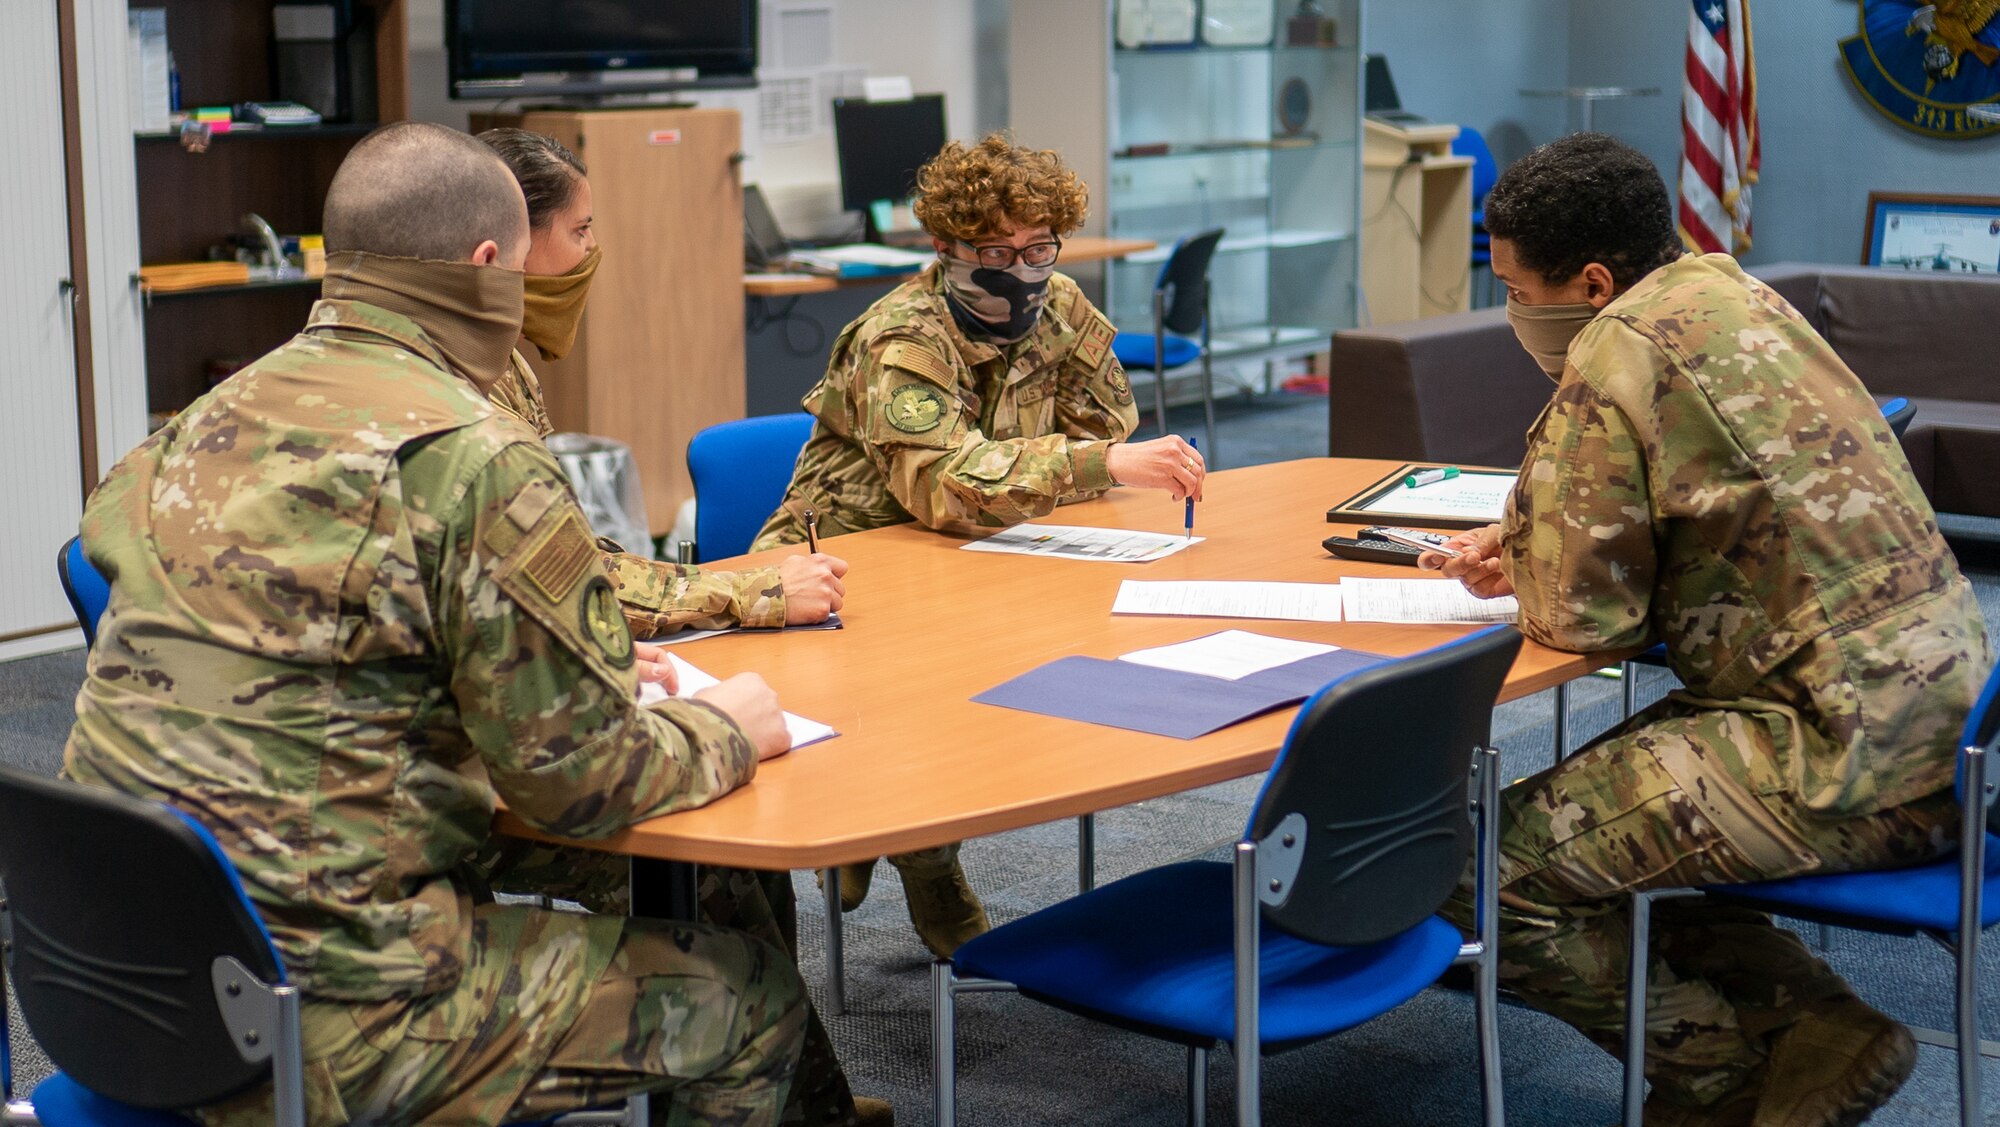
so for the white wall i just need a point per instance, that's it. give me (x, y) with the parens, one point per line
(1466, 63)
(933, 42)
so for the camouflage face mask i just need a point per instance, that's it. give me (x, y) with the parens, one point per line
(1007, 303)
(1546, 330)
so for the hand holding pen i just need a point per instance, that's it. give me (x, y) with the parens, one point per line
(1190, 500)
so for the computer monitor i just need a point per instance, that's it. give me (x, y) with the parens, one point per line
(764, 242)
(1381, 89)
(882, 144)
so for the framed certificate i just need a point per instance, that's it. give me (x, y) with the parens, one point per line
(1155, 23)
(1238, 23)
(1476, 497)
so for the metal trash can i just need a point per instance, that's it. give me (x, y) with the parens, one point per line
(606, 481)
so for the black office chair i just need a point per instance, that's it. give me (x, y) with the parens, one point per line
(140, 966)
(1180, 306)
(1327, 916)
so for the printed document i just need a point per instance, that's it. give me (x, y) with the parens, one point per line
(1205, 598)
(693, 680)
(1112, 545)
(1469, 496)
(1231, 654)
(1421, 600)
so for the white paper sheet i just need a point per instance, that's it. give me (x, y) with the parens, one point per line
(1421, 600)
(1205, 598)
(693, 680)
(1231, 654)
(1111, 545)
(1469, 496)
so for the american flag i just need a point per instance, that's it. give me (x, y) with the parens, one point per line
(1719, 144)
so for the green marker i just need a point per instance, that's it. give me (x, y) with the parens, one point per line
(1427, 477)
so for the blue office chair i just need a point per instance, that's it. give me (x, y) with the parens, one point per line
(1485, 170)
(740, 470)
(1950, 900)
(139, 964)
(1180, 308)
(1898, 412)
(87, 589)
(1326, 916)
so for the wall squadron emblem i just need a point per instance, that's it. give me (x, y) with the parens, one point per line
(1923, 64)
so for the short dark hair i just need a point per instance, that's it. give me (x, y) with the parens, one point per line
(547, 170)
(418, 190)
(1585, 198)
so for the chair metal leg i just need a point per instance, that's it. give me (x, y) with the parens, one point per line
(1628, 677)
(1160, 361)
(1486, 972)
(1213, 455)
(1086, 852)
(1249, 1040)
(1635, 1008)
(639, 1110)
(288, 1071)
(1971, 867)
(836, 953)
(1197, 1086)
(1561, 722)
(944, 1046)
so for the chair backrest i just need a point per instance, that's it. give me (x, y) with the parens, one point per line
(740, 470)
(1184, 277)
(1899, 411)
(1371, 786)
(1485, 170)
(86, 587)
(117, 910)
(1982, 729)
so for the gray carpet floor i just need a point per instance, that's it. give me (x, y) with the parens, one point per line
(1023, 1063)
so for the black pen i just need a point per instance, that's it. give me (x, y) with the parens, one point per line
(812, 531)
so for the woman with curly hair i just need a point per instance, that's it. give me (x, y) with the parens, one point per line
(979, 394)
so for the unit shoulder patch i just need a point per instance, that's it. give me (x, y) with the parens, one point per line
(915, 408)
(604, 623)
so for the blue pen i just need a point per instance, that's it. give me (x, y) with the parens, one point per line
(1190, 500)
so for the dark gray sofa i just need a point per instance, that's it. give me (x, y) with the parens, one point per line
(1460, 389)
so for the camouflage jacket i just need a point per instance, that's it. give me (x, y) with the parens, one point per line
(918, 422)
(1711, 476)
(351, 605)
(658, 598)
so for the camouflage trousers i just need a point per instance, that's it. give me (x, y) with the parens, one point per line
(558, 1011)
(1685, 794)
(762, 904)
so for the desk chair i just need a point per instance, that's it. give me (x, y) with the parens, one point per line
(1485, 170)
(88, 590)
(1948, 900)
(140, 965)
(1180, 307)
(740, 470)
(1324, 919)
(1898, 412)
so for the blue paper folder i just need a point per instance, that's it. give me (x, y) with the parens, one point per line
(1166, 702)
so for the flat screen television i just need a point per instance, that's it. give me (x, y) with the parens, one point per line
(520, 48)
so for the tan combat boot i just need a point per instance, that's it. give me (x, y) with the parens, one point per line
(1835, 1065)
(854, 880)
(871, 1112)
(944, 909)
(1738, 1109)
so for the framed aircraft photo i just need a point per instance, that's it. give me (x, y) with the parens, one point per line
(1914, 231)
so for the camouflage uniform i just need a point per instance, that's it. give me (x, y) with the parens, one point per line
(919, 422)
(658, 597)
(1711, 476)
(352, 606)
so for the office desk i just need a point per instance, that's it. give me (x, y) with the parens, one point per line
(1083, 248)
(928, 626)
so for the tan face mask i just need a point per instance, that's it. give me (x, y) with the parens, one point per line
(1546, 330)
(472, 313)
(553, 306)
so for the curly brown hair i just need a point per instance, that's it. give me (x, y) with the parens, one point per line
(977, 192)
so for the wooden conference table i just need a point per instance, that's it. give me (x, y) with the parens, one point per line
(1082, 248)
(928, 626)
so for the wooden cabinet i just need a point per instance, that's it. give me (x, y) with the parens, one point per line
(1416, 246)
(659, 355)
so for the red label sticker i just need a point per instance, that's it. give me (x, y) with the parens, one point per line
(664, 137)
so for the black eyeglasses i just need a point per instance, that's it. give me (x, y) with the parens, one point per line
(1036, 255)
